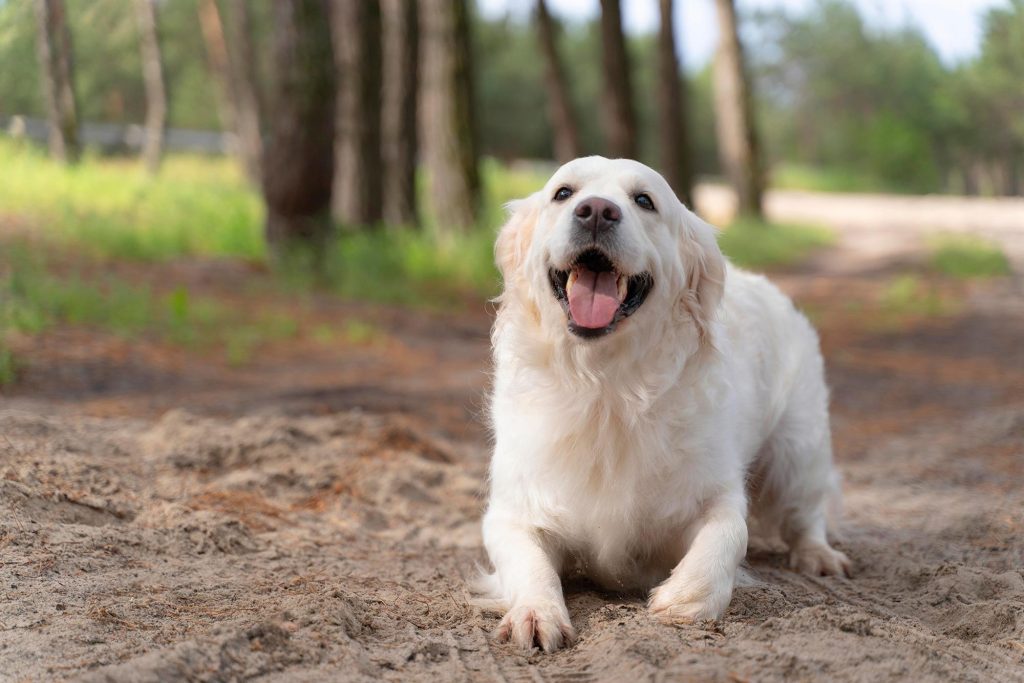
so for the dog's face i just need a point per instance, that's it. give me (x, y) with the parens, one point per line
(605, 241)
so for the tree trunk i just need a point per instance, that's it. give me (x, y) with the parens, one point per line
(299, 155)
(620, 120)
(401, 85)
(153, 76)
(449, 136)
(247, 103)
(229, 101)
(359, 183)
(57, 75)
(563, 122)
(676, 158)
(217, 61)
(737, 136)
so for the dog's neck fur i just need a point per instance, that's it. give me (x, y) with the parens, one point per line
(607, 372)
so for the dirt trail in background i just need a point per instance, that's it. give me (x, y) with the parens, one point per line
(315, 516)
(874, 228)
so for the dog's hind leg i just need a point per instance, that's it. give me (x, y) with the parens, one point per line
(798, 482)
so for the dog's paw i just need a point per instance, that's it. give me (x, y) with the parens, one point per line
(672, 604)
(819, 559)
(543, 624)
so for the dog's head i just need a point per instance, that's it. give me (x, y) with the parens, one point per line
(605, 245)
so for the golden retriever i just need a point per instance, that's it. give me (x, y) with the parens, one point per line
(648, 397)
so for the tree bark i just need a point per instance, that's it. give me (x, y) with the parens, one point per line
(359, 183)
(299, 155)
(153, 77)
(217, 61)
(57, 76)
(738, 145)
(676, 158)
(620, 120)
(449, 135)
(401, 87)
(247, 102)
(563, 121)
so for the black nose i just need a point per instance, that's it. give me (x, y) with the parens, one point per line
(597, 215)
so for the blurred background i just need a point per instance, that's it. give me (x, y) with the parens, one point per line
(201, 177)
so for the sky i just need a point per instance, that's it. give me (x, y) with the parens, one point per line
(953, 27)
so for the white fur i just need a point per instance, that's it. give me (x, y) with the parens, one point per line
(634, 458)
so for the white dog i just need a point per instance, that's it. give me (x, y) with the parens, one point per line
(647, 396)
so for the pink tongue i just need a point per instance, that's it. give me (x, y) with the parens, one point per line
(594, 298)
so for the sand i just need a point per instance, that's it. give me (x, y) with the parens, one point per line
(271, 533)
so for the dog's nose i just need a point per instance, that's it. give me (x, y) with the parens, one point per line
(597, 215)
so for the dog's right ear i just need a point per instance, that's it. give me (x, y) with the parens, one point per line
(514, 237)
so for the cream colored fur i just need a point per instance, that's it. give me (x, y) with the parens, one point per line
(636, 458)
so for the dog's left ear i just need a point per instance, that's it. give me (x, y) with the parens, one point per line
(705, 271)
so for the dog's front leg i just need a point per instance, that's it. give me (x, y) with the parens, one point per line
(529, 584)
(700, 587)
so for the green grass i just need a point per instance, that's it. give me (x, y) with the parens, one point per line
(754, 244)
(966, 257)
(201, 207)
(911, 296)
(112, 208)
(34, 297)
(8, 367)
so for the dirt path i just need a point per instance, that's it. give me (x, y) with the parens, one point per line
(874, 229)
(315, 516)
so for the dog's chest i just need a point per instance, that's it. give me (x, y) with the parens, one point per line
(621, 503)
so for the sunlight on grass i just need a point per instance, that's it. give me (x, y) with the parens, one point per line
(201, 206)
(112, 208)
(967, 256)
(753, 244)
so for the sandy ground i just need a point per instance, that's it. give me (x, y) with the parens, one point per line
(315, 517)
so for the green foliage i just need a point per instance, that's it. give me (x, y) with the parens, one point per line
(857, 101)
(792, 176)
(107, 65)
(511, 100)
(965, 256)
(20, 92)
(753, 244)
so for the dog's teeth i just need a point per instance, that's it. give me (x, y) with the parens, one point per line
(623, 284)
(571, 281)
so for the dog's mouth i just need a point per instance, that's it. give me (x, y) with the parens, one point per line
(595, 295)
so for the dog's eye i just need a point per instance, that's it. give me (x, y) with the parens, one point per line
(644, 201)
(563, 193)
